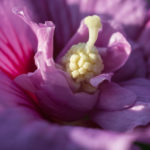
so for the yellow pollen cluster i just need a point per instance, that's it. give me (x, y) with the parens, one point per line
(83, 61)
(82, 64)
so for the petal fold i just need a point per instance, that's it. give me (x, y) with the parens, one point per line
(55, 96)
(43, 32)
(67, 105)
(117, 53)
(96, 81)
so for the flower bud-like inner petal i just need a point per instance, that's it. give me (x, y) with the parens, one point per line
(83, 61)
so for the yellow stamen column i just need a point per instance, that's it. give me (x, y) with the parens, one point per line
(94, 24)
(83, 61)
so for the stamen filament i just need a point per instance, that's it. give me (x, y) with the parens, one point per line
(94, 24)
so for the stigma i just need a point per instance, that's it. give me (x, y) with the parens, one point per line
(82, 61)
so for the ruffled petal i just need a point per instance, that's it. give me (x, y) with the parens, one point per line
(17, 43)
(66, 21)
(67, 105)
(44, 34)
(116, 54)
(55, 96)
(134, 116)
(96, 81)
(66, 14)
(52, 80)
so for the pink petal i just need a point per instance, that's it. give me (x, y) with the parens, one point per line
(131, 14)
(96, 81)
(29, 82)
(67, 105)
(21, 127)
(16, 50)
(126, 119)
(115, 97)
(55, 96)
(129, 118)
(43, 32)
(117, 53)
(66, 21)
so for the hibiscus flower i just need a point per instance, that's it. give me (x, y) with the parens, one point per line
(36, 99)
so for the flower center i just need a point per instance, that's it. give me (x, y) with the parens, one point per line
(83, 61)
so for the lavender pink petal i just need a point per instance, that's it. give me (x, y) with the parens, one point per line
(22, 127)
(16, 50)
(128, 118)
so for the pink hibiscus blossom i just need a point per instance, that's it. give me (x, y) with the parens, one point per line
(31, 96)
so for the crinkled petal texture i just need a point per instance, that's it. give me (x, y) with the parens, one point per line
(22, 127)
(52, 90)
(56, 98)
(55, 89)
(125, 119)
(17, 43)
(66, 15)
